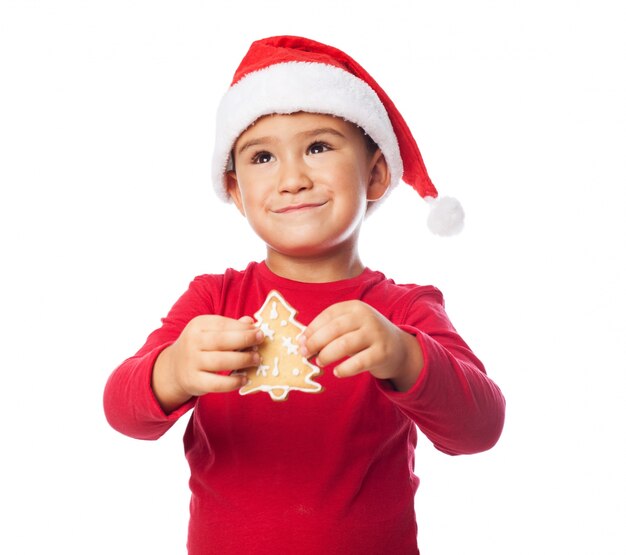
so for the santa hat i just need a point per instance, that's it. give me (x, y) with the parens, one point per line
(286, 74)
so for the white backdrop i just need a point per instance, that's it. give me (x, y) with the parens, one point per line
(106, 214)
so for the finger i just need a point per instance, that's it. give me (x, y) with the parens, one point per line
(328, 315)
(345, 345)
(356, 364)
(230, 340)
(219, 361)
(214, 322)
(218, 383)
(329, 332)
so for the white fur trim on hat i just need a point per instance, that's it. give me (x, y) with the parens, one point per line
(290, 87)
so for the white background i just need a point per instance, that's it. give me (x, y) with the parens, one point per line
(107, 212)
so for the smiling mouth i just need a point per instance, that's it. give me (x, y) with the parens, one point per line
(299, 207)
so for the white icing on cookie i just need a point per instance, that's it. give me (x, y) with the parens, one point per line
(267, 331)
(275, 370)
(288, 344)
(274, 313)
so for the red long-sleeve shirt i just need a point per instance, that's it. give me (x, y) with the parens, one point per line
(327, 473)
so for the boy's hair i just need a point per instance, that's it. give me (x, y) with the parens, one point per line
(287, 74)
(370, 144)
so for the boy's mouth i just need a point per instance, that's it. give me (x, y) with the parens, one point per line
(299, 207)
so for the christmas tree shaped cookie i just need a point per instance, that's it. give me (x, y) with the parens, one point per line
(281, 369)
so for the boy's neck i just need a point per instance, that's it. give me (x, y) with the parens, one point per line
(315, 270)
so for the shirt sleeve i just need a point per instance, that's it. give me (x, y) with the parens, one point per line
(130, 405)
(453, 402)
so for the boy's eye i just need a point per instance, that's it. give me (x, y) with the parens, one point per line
(317, 148)
(262, 158)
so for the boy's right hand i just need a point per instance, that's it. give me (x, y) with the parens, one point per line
(208, 345)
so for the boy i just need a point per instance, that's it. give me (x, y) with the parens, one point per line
(306, 143)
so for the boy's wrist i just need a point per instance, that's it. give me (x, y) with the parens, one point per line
(413, 365)
(164, 387)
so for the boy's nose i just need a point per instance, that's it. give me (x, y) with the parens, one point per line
(294, 178)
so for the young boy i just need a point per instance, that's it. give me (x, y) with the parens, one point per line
(306, 143)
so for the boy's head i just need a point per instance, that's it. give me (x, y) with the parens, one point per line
(305, 181)
(285, 75)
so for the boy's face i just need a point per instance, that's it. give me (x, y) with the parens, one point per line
(303, 181)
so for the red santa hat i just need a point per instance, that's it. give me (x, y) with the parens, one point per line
(287, 74)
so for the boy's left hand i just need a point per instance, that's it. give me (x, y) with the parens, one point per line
(355, 331)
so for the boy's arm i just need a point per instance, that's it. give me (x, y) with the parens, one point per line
(453, 401)
(130, 404)
(420, 363)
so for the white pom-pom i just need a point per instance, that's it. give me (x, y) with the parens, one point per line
(446, 216)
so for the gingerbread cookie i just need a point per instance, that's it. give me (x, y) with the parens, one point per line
(281, 369)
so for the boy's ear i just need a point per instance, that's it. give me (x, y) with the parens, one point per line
(380, 177)
(232, 187)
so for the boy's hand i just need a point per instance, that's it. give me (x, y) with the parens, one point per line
(355, 331)
(208, 344)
